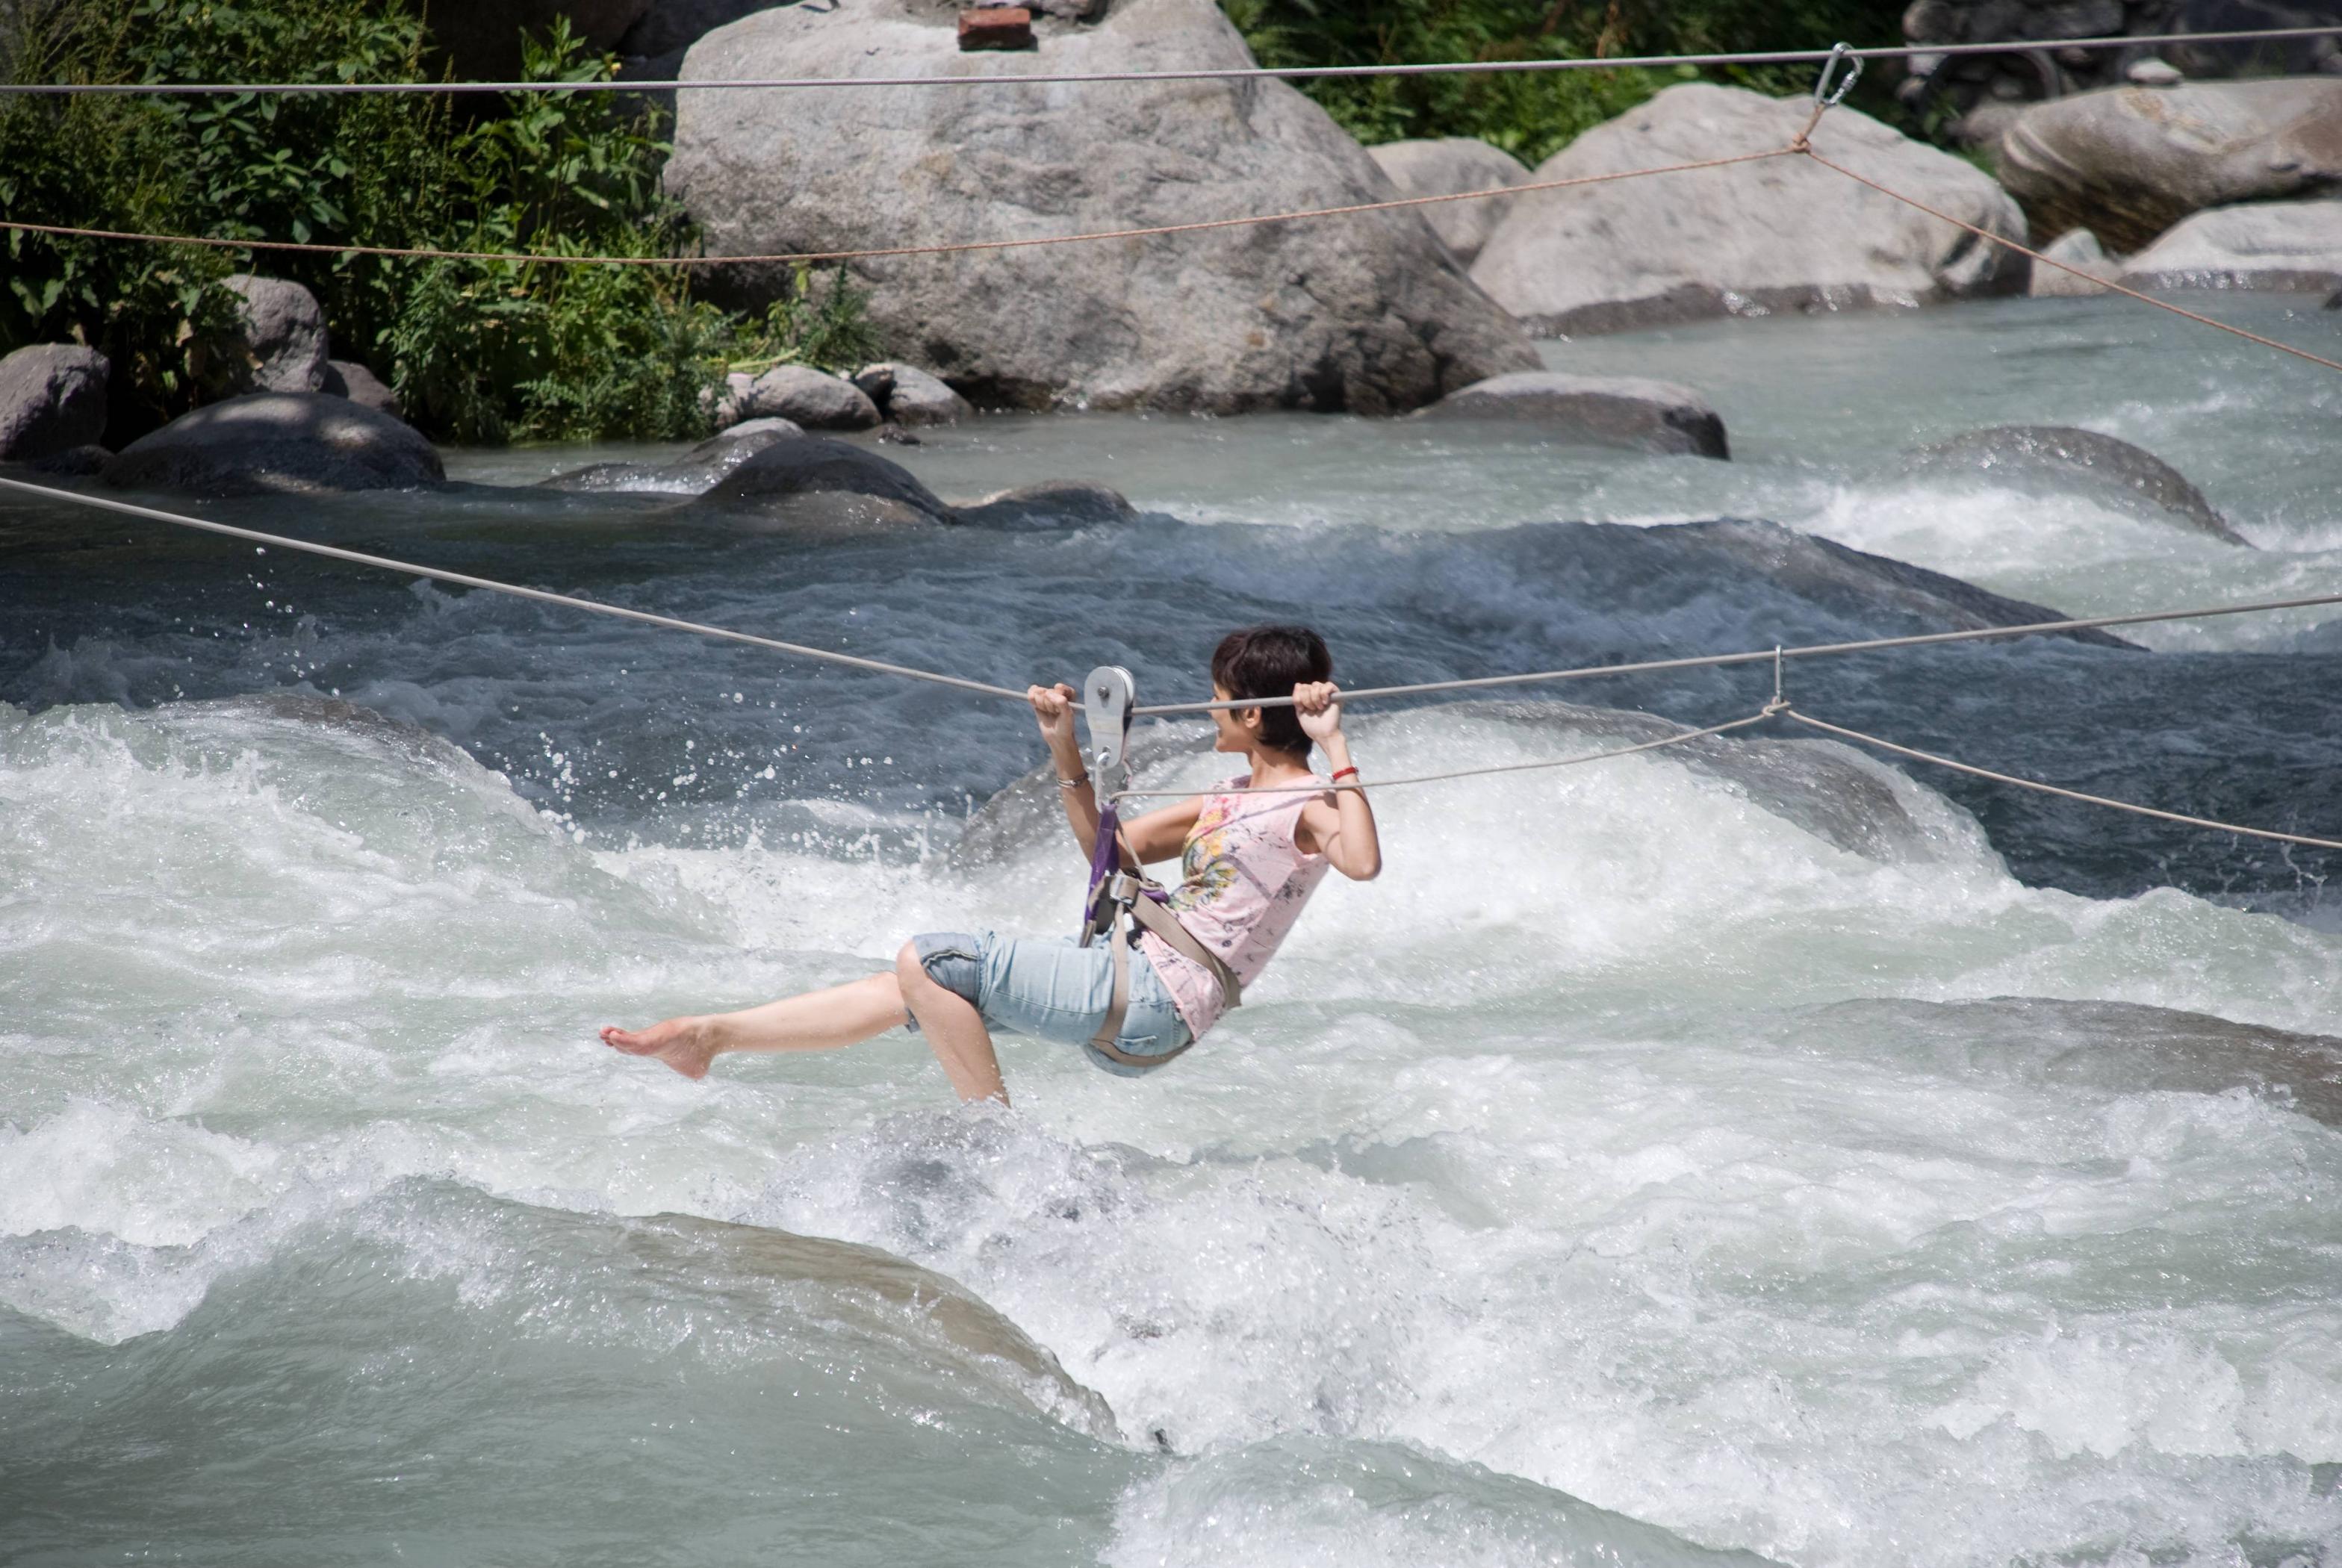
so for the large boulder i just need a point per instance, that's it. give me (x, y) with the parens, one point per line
(281, 335)
(1368, 313)
(805, 396)
(905, 395)
(1779, 234)
(2129, 162)
(278, 442)
(2063, 457)
(52, 400)
(2280, 245)
(1657, 417)
(1445, 166)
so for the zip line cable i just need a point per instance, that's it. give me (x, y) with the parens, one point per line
(1243, 220)
(465, 580)
(1223, 74)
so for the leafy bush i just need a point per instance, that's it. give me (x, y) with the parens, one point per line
(476, 351)
(1533, 114)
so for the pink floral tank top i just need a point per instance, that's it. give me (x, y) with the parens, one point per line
(1243, 881)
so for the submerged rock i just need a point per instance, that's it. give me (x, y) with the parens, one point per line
(1657, 417)
(1445, 166)
(696, 473)
(1052, 504)
(2285, 246)
(1785, 234)
(817, 479)
(278, 442)
(2063, 454)
(2129, 162)
(1368, 313)
(281, 331)
(52, 400)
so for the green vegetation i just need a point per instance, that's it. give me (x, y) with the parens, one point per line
(477, 352)
(1534, 115)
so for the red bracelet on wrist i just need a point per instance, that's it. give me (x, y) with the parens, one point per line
(1339, 772)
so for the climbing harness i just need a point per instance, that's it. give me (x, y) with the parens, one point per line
(1121, 902)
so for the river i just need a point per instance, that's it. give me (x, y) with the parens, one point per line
(1751, 1151)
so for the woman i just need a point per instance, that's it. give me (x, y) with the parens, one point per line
(1252, 850)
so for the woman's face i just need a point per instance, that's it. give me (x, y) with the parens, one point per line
(1237, 730)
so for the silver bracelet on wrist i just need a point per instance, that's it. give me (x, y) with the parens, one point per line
(1076, 782)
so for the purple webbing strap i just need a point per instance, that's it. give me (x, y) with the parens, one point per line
(1106, 854)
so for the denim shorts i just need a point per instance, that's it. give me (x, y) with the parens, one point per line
(1048, 987)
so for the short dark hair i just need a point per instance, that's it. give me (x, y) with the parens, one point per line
(1269, 661)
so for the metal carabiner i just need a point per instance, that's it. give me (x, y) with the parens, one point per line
(1839, 52)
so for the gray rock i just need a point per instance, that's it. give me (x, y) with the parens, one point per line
(281, 335)
(2076, 248)
(911, 396)
(348, 378)
(2292, 246)
(811, 398)
(2151, 72)
(2130, 162)
(818, 479)
(1368, 313)
(263, 442)
(697, 472)
(1443, 166)
(2063, 455)
(1750, 239)
(73, 463)
(1052, 504)
(52, 400)
(1595, 410)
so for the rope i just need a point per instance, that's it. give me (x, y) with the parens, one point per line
(1712, 661)
(1789, 712)
(1674, 740)
(793, 257)
(1224, 74)
(2007, 243)
(540, 596)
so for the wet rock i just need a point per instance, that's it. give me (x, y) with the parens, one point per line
(2076, 248)
(802, 394)
(815, 478)
(2130, 162)
(52, 400)
(1657, 417)
(281, 335)
(2286, 247)
(2063, 454)
(909, 395)
(697, 472)
(1444, 165)
(1370, 315)
(348, 378)
(278, 442)
(1052, 504)
(73, 463)
(1754, 238)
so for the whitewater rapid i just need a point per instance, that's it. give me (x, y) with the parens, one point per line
(1745, 1151)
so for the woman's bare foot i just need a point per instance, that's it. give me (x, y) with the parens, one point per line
(686, 1044)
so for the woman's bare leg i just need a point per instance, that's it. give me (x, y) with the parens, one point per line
(817, 1021)
(953, 1028)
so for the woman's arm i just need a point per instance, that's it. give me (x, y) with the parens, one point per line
(1342, 829)
(1157, 835)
